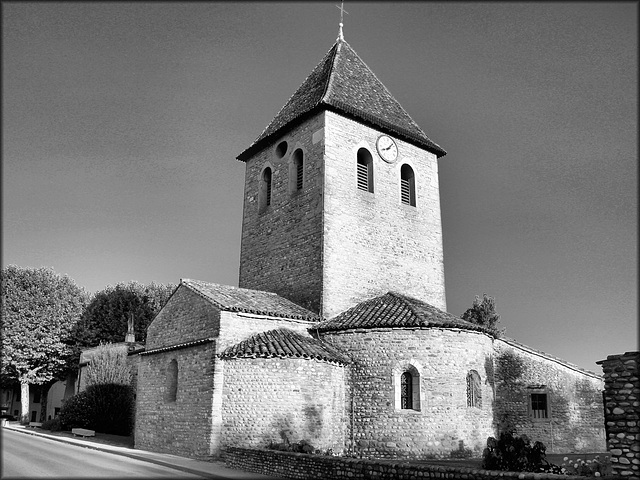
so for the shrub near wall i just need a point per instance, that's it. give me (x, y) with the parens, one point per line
(106, 408)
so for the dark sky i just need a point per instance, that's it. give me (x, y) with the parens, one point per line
(122, 121)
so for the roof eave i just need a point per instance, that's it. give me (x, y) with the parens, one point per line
(265, 141)
(349, 113)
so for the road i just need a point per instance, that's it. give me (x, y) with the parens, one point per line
(28, 456)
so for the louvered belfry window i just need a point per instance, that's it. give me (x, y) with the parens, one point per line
(298, 169)
(407, 186)
(365, 170)
(406, 391)
(474, 392)
(267, 186)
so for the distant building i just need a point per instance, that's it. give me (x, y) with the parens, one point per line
(11, 401)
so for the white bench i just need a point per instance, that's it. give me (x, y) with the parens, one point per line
(83, 432)
(35, 424)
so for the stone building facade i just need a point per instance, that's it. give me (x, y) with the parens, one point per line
(338, 333)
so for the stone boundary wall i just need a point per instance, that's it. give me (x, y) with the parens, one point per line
(622, 412)
(303, 466)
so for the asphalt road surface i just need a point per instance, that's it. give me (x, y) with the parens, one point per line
(29, 456)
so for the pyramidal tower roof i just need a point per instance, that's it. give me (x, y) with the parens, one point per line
(343, 83)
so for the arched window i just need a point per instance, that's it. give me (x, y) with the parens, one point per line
(407, 387)
(406, 391)
(474, 391)
(265, 189)
(365, 170)
(171, 390)
(407, 186)
(296, 171)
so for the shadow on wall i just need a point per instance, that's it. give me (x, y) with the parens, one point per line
(313, 416)
(290, 428)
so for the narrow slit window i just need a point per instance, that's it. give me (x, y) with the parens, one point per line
(264, 193)
(407, 186)
(297, 171)
(406, 391)
(365, 170)
(474, 392)
(267, 181)
(171, 391)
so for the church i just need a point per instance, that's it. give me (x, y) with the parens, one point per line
(338, 333)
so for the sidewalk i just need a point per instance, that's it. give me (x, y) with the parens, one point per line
(122, 446)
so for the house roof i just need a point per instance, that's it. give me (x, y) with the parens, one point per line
(235, 299)
(394, 310)
(284, 343)
(343, 83)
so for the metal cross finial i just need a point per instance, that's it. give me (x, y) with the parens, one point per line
(342, 12)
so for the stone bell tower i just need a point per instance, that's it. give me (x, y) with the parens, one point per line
(341, 195)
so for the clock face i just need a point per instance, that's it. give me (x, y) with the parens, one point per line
(387, 148)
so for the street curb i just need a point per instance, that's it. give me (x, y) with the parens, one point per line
(116, 452)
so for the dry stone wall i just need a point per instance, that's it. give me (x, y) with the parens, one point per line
(272, 399)
(303, 467)
(574, 421)
(622, 412)
(373, 243)
(442, 420)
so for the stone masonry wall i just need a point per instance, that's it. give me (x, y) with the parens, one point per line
(442, 358)
(372, 242)
(237, 326)
(269, 399)
(185, 317)
(575, 422)
(622, 412)
(192, 424)
(183, 426)
(281, 248)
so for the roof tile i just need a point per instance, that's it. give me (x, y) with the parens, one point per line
(237, 299)
(394, 310)
(284, 343)
(342, 82)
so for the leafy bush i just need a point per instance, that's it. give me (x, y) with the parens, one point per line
(106, 408)
(54, 425)
(514, 454)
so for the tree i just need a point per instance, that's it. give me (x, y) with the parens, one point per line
(106, 317)
(483, 313)
(39, 312)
